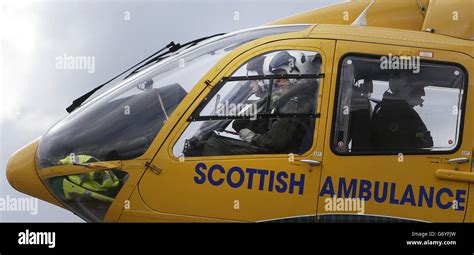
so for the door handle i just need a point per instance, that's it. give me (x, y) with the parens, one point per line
(453, 175)
(458, 160)
(154, 168)
(311, 162)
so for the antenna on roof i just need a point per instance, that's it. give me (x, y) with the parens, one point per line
(362, 19)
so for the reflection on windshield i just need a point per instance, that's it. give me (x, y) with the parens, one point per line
(122, 122)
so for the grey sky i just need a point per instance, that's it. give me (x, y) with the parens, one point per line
(34, 94)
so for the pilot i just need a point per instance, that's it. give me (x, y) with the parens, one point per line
(395, 123)
(291, 96)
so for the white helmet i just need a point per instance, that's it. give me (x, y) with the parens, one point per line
(309, 64)
(283, 61)
(296, 63)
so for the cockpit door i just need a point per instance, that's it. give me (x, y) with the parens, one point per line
(209, 168)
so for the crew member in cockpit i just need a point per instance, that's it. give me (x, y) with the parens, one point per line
(291, 96)
(395, 123)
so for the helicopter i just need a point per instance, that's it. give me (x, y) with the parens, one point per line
(360, 111)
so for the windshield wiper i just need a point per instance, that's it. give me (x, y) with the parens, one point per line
(172, 47)
(160, 57)
(77, 102)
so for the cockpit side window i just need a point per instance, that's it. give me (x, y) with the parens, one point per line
(268, 106)
(404, 107)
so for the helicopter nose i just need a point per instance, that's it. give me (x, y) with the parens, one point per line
(22, 175)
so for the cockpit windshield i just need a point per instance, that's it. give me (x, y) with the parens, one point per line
(122, 122)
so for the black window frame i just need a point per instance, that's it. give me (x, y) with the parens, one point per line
(390, 153)
(196, 117)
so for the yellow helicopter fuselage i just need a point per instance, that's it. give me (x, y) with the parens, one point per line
(343, 174)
